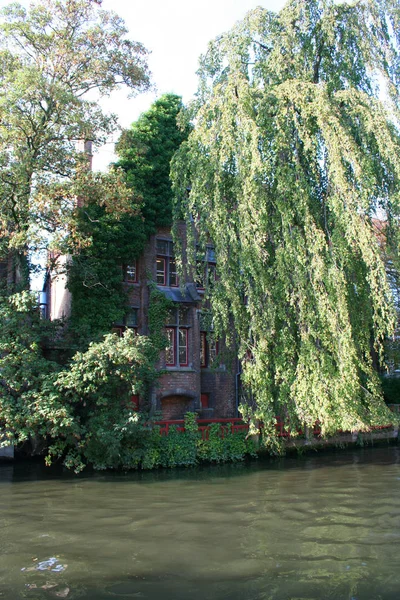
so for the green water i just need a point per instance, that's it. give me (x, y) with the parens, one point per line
(320, 527)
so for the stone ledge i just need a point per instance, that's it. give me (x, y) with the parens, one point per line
(343, 438)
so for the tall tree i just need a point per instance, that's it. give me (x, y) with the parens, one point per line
(292, 154)
(52, 56)
(145, 152)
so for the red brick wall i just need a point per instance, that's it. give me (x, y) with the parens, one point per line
(175, 407)
(178, 390)
(220, 385)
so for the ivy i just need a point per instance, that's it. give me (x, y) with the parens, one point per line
(103, 240)
(95, 280)
(159, 306)
(145, 151)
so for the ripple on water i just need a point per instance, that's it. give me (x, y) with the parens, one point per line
(261, 534)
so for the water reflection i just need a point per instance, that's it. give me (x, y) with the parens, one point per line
(322, 526)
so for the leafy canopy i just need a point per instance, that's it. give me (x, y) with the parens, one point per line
(52, 56)
(292, 154)
(95, 275)
(145, 152)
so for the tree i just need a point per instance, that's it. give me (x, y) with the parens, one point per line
(68, 411)
(145, 152)
(55, 59)
(292, 154)
(52, 57)
(95, 277)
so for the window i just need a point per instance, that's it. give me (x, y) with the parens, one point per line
(209, 347)
(177, 331)
(131, 318)
(130, 321)
(166, 273)
(130, 272)
(206, 269)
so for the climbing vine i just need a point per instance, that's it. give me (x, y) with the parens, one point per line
(95, 276)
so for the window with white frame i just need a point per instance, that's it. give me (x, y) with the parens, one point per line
(177, 332)
(166, 273)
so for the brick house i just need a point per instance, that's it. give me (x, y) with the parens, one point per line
(194, 377)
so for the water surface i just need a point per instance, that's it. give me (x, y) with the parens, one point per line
(319, 527)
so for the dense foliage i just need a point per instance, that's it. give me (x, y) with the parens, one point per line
(25, 373)
(138, 444)
(292, 155)
(72, 411)
(95, 274)
(81, 412)
(52, 56)
(145, 152)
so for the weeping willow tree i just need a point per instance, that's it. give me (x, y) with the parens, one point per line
(295, 150)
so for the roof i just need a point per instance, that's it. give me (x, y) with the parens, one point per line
(188, 295)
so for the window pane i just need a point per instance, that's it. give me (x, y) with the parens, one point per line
(160, 268)
(162, 247)
(170, 348)
(183, 315)
(132, 318)
(211, 255)
(130, 272)
(173, 277)
(183, 353)
(171, 317)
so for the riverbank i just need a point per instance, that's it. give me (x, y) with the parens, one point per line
(232, 446)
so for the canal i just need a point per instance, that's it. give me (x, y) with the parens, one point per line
(325, 526)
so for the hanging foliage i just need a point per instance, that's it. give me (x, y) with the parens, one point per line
(293, 153)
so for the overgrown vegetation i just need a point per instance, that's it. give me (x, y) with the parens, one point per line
(145, 152)
(103, 241)
(138, 444)
(52, 55)
(292, 155)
